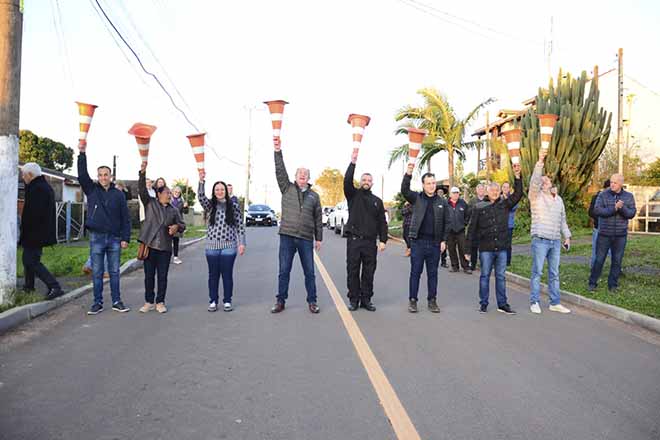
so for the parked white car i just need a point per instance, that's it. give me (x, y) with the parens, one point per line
(326, 214)
(338, 218)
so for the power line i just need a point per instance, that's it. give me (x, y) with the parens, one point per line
(160, 84)
(642, 85)
(452, 19)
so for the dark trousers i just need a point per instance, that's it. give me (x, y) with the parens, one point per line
(443, 258)
(360, 254)
(457, 240)
(424, 252)
(175, 246)
(157, 263)
(406, 235)
(305, 248)
(221, 264)
(474, 255)
(508, 250)
(605, 244)
(32, 267)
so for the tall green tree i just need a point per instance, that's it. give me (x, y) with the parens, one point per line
(44, 151)
(446, 132)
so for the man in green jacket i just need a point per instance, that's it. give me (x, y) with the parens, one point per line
(301, 230)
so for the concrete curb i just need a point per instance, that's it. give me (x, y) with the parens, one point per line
(615, 312)
(20, 315)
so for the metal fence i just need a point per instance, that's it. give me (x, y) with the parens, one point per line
(70, 223)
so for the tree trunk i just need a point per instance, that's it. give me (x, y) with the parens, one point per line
(450, 164)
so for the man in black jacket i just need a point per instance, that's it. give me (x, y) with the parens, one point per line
(366, 224)
(489, 224)
(38, 229)
(459, 217)
(428, 236)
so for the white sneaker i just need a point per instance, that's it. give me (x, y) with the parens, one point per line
(213, 307)
(535, 308)
(559, 308)
(176, 260)
(227, 307)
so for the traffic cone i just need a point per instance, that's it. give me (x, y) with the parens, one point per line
(512, 139)
(86, 113)
(197, 144)
(415, 139)
(142, 133)
(276, 109)
(358, 122)
(547, 123)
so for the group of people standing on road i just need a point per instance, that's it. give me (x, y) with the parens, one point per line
(480, 230)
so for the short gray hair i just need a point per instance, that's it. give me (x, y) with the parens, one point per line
(481, 185)
(305, 170)
(32, 168)
(494, 185)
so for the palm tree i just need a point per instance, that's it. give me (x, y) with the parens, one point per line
(445, 130)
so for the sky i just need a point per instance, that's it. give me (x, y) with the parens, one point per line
(220, 60)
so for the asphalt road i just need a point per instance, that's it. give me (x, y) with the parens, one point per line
(248, 374)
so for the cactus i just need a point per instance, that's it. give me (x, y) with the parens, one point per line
(578, 138)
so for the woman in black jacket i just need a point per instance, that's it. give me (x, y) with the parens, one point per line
(162, 221)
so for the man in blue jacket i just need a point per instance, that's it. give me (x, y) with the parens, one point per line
(614, 207)
(109, 226)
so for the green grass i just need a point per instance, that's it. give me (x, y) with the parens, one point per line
(21, 299)
(577, 233)
(637, 292)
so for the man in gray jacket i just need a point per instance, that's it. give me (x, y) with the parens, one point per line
(548, 225)
(301, 229)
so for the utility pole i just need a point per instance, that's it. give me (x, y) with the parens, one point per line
(114, 167)
(619, 124)
(488, 161)
(249, 156)
(11, 35)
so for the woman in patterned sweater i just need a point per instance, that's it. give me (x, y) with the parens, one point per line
(225, 237)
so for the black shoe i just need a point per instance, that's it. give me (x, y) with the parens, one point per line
(613, 289)
(368, 305)
(592, 288)
(444, 265)
(277, 308)
(453, 269)
(120, 307)
(412, 306)
(54, 293)
(467, 271)
(95, 309)
(506, 309)
(314, 308)
(353, 306)
(433, 306)
(483, 308)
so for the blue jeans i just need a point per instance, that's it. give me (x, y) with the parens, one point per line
(221, 264)
(105, 246)
(489, 261)
(288, 247)
(88, 263)
(605, 244)
(424, 251)
(543, 249)
(594, 239)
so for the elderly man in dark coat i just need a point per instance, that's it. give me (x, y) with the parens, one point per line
(38, 229)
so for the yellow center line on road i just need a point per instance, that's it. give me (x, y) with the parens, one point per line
(394, 410)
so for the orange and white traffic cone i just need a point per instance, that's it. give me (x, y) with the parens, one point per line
(86, 113)
(276, 109)
(512, 139)
(197, 144)
(547, 123)
(358, 122)
(415, 139)
(142, 133)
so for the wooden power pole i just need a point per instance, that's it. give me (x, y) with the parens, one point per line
(11, 34)
(619, 123)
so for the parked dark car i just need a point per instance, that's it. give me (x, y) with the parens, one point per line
(260, 215)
